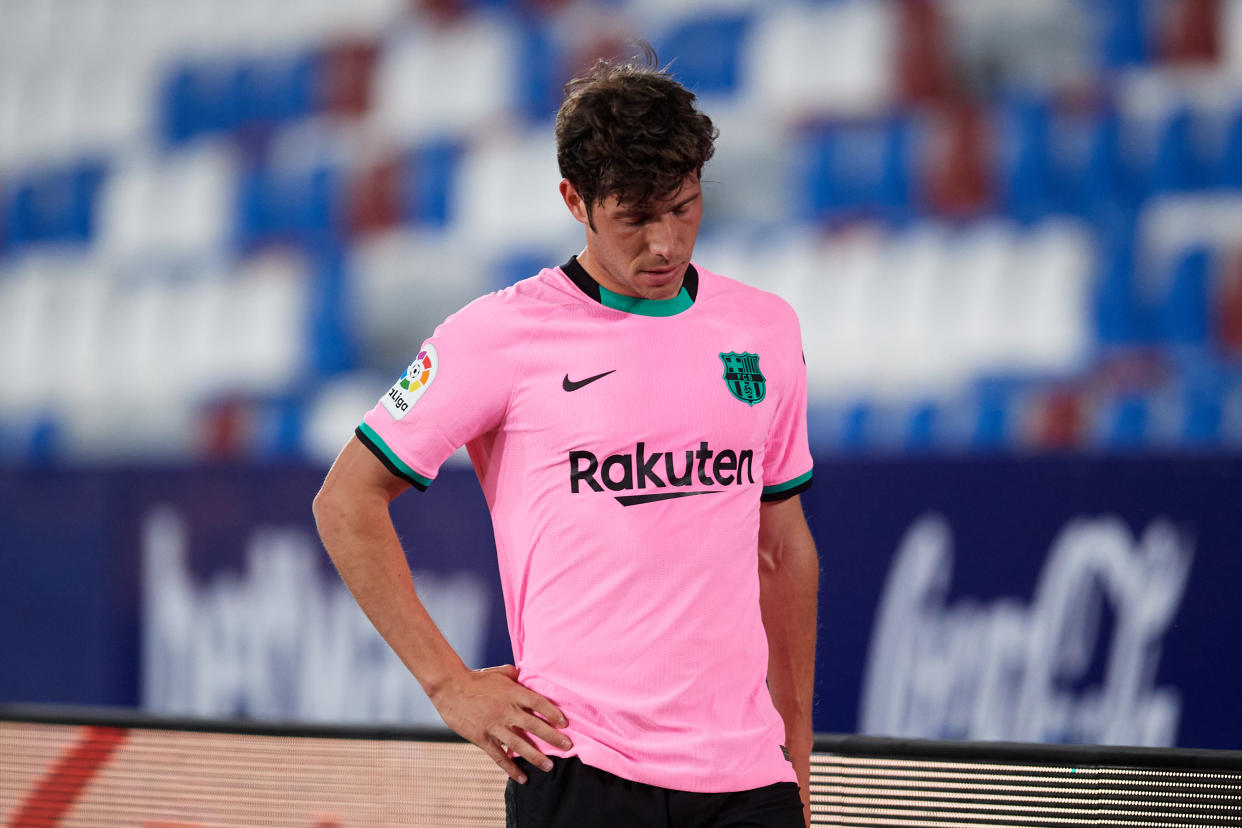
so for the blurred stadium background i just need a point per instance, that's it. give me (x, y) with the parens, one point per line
(1012, 230)
(1007, 226)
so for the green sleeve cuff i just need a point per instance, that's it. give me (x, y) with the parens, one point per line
(389, 458)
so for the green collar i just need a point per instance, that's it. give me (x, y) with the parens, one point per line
(633, 304)
(645, 307)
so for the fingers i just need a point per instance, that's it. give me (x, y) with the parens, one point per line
(500, 755)
(507, 670)
(530, 723)
(547, 710)
(495, 711)
(547, 716)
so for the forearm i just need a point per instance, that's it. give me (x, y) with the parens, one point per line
(358, 535)
(788, 598)
(788, 589)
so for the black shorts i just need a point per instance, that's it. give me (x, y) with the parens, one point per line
(574, 795)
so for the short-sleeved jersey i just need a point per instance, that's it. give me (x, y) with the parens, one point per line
(623, 446)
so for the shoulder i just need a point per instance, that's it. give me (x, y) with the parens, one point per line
(760, 307)
(502, 313)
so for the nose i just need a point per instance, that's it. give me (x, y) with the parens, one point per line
(662, 236)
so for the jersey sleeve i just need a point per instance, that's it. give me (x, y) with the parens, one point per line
(787, 454)
(455, 389)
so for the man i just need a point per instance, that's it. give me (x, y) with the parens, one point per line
(638, 426)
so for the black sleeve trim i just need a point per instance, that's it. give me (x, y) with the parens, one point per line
(388, 464)
(773, 497)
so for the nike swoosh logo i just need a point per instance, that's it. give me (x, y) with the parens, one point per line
(635, 500)
(571, 385)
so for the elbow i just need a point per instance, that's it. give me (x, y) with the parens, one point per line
(326, 505)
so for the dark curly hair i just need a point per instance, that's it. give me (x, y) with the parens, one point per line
(630, 130)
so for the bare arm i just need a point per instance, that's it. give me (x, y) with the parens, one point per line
(788, 595)
(487, 707)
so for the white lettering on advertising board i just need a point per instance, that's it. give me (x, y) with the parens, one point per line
(283, 639)
(1076, 665)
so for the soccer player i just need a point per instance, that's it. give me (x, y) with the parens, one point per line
(638, 426)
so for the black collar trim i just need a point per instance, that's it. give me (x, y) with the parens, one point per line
(578, 275)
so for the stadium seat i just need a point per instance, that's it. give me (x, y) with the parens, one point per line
(1229, 170)
(704, 53)
(922, 53)
(504, 191)
(1174, 167)
(1190, 32)
(1026, 173)
(277, 88)
(295, 205)
(858, 170)
(543, 69)
(199, 99)
(375, 195)
(1124, 28)
(1227, 321)
(1051, 278)
(956, 175)
(996, 409)
(835, 60)
(1184, 315)
(180, 202)
(1118, 318)
(343, 80)
(56, 205)
(1202, 412)
(431, 171)
(448, 81)
(401, 284)
(1125, 422)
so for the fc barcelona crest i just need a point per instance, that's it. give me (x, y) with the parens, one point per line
(743, 378)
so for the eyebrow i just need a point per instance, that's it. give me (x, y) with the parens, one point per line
(633, 213)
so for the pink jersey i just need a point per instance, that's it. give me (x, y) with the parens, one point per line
(623, 446)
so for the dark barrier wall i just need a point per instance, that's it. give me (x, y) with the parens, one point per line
(1061, 599)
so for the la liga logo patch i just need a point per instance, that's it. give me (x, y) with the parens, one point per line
(413, 383)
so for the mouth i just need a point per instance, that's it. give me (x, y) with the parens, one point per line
(662, 274)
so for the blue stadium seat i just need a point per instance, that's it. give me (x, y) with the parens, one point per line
(55, 205)
(993, 418)
(1123, 26)
(214, 97)
(431, 171)
(856, 427)
(519, 264)
(703, 53)
(300, 206)
(1202, 410)
(1229, 169)
(276, 89)
(1184, 316)
(923, 427)
(1027, 166)
(1105, 180)
(331, 342)
(1126, 421)
(1174, 167)
(1119, 318)
(542, 71)
(200, 99)
(858, 169)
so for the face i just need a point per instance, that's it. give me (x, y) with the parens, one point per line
(641, 253)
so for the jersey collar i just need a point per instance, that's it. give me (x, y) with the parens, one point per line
(632, 304)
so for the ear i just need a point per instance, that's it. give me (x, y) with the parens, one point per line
(573, 200)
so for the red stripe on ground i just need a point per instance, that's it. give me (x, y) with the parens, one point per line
(64, 781)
